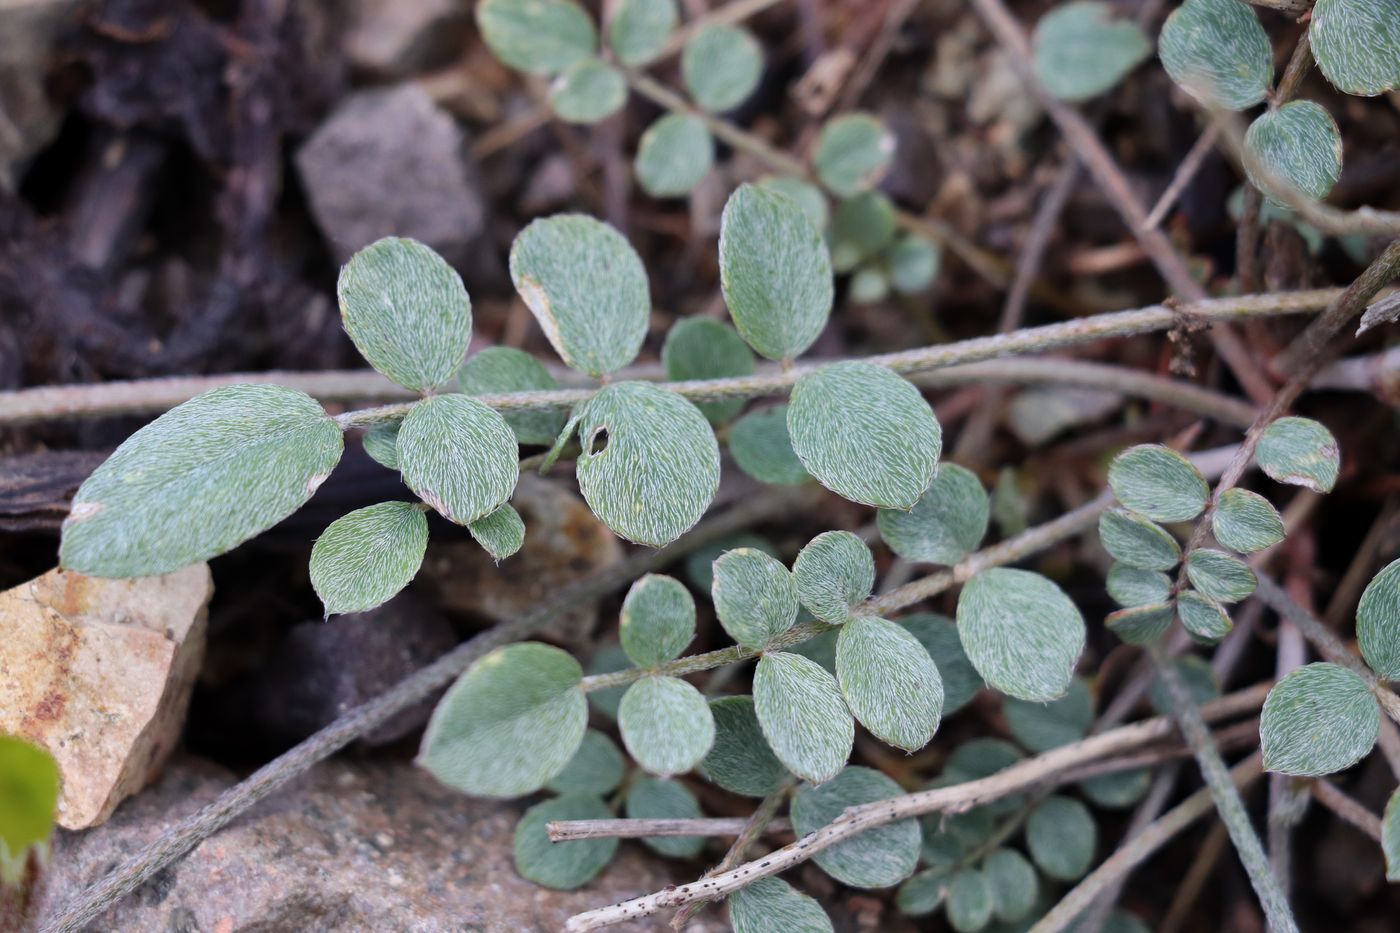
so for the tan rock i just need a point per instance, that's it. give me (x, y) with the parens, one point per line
(99, 672)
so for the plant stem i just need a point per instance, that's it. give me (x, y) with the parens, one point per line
(856, 820)
(181, 837)
(1186, 171)
(1227, 798)
(1348, 808)
(569, 830)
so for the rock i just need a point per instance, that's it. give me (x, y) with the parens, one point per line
(390, 162)
(29, 29)
(349, 846)
(99, 672)
(392, 38)
(564, 542)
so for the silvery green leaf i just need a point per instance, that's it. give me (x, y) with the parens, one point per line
(1298, 144)
(699, 564)
(913, 263)
(1378, 622)
(865, 433)
(1244, 521)
(740, 761)
(1080, 50)
(703, 348)
(1141, 625)
(650, 462)
(889, 681)
(1010, 507)
(1117, 790)
(1357, 44)
(868, 285)
(1318, 719)
(1158, 482)
(200, 480)
(939, 636)
(970, 904)
(364, 558)
(561, 865)
(407, 312)
(820, 648)
(969, 830)
(658, 620)
(652, 798)
(946, 524)
(866, 221)
(762, 448)
(1218, 52)
(853, 153)
(541, 37)
(1021, 632)
(1200, 682)
(1390, 837)
(588, 91)
(1220, 576)
(596, 768)
(666, 725)
(509, 724)
(1204, 619)
(500, 370)
(775, 272)
(381, 442)
(808, 196)
(1038, 414)
(877, 858)
(1014, 883)
(922, 893)
(608, 660)
(1062, 836)
(754, 596)
(1132, 586)
(721, 65)
(501, 533)
(586, 287)
(803, 715)
(1043, 726)
(834, 573)
(1299, 452)
(1134, 540)
(771, 905)
(977, 759)
(674, 154)
(639, 29)
(459, 456)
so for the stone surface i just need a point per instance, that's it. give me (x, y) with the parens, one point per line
(396, 38)
(564, 542)
(99, 672)
(349, 846)
(390, 162)
(29, 30)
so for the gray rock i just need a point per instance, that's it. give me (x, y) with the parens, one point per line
(390, 162)
(397, 38)
(349, 846)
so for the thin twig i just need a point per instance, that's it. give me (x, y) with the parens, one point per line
(1348, 808)
(1202, 867)
(569, 830)
(1185, 172)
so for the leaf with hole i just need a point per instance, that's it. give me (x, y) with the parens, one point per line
(889, 681)
(740, 760)
(596, 768)
(1220, 576)
(649, 465)
(1141, 625)
(754, 596)
(586, 287)
(541, 37)
(939, 636)
(877, 858)
(854, 152)
(639, 30)
(561, 865)
(503, 370)
(1158, 482)
(674, 155)
(1080, 50)
(1319, 719)
(1217, 51)
(834, 573)
(658, 620)
(761, 446)
(1204, 619)
(200, 480)
(1021, 632)
(771, 905)
(364, 558)
(1357, 44)
(702, 348)
(865, 433)
(1132, 586)
(509, 724)
(1043, 726)
(1062, 836)
(775, 272)
(666, 725)
(803, 715)
(1297, 145)
(1245, 521)
(652, 798)
(1378, 622)
(459, 456)
(945, 525)
(1299, 452)
(721, 65)
(1133, 540)
(381, 442)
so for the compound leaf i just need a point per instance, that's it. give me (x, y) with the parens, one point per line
(1021, 632)
(658, 620)
(364, 558)
(458, 456)
(1299, 452)
(754, 596)
(853, 153)
(803, 715)
(1157, 481)
(1217, 51)
(878, 858)
(946, 524)
(666, 725)
(889, 681)
(1318, 719)
(834, 573)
